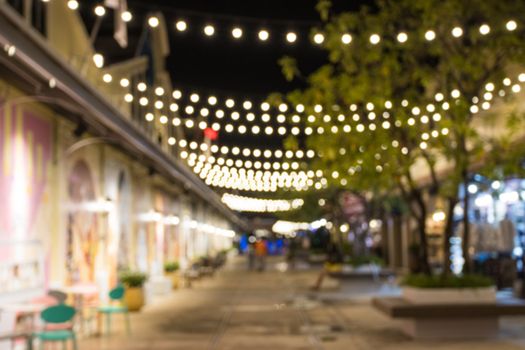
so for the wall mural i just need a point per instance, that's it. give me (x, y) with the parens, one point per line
(82, 233)
(124, 212)
(25, 160)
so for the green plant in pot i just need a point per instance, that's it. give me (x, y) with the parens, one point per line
(171, 270)
(133, 281)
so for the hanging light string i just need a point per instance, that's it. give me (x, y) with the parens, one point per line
(245, 117)
(260, 205)
(267, 27)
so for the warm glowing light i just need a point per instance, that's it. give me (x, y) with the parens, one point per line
(181, 26)
(346, 38)
(375, 39)
(318, 38)
(402, 37)
(126, 16)
(107, 78)
(72, 4)
(263, 35)
(98, 59)
(209, 30)
(430, 35)
(457, 32)
(237, 32)
(153, 21)
(511, 25)
(291, 37)
(484, 29)
(100, 10)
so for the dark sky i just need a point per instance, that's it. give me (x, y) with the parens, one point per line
(222, 64)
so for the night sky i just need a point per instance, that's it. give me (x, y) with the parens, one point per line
(220, 64)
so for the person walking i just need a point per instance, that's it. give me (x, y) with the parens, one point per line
(251, 256)
(261, 250)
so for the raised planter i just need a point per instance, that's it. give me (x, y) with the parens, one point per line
(437, 296)
(174, 277)
(134, 298)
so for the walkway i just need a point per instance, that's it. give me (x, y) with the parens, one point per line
(274, 310)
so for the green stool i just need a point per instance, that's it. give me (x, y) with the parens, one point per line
(57, 315)
(116, 295)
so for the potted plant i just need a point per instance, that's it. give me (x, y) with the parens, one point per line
(450, 289)
(133, 281)
(171, 270)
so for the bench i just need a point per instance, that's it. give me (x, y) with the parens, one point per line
(449, 321)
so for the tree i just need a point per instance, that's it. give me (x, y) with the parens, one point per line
(407, 91)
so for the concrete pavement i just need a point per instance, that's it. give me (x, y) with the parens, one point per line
(275, 309)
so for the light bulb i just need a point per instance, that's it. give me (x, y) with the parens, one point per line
(72, 4)
(457, 32)
(430, 35)
(402, 37)
(263, 35)
(318, 38)
(100, 10)
(511, 25)
(484, 29)
(209, 30)
(107, 78)
(291, 37)
(346, 39)
(126, 16)
(237, 33)
(153, 21)
(98, 59)
(181, 26)
(375, 39)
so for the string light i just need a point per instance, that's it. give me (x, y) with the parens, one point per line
(346, 38)
(457, 32)
(402, 37)
(209, 30)
(126, 16)
(291, 37)
(100, 10)
(263, 35)
(375, 39)
(484, 29)
(98, 59)
(430, 35)
(153, 21)
(107, 78)
(318, 38)
(181, 26)
(72, 4)
(511, 25)
(237, 32)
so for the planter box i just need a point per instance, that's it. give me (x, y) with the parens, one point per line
(436, 296)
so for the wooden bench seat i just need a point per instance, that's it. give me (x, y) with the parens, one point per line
(449, 320)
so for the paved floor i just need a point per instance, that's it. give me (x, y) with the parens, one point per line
(275, 310)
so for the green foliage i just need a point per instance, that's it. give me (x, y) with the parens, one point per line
(132, 278)
(171, 266)
(323, 7)
(449, 281)
(371, 132)
(289, 67)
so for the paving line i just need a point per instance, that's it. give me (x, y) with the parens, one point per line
(225, 319)
(312, 337)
